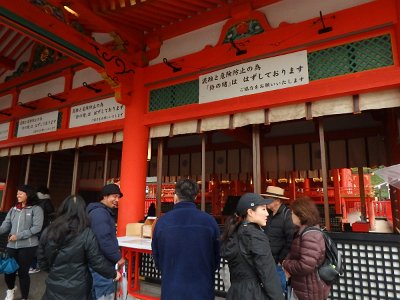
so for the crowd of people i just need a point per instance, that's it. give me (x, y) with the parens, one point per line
(268, 255)
(77, 246)
(267, 258)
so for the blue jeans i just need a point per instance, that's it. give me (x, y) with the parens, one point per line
(282, 278)
(101, 286)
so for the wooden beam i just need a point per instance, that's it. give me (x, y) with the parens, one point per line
(7, 63)
(241, 135)
(33, 21)
(256, 150)
(134, 39)
(358, 83)
(324, 173)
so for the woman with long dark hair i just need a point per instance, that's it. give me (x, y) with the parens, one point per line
(67, 248)
(246, 248)
(23, 223)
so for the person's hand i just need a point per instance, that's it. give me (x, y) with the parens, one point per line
(12, 238)
(121, 262)
(117, 277)
(287, 274)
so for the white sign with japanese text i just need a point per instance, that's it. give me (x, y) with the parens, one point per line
(96, 112)
(4, 129)
(38, 124)
(255, 77)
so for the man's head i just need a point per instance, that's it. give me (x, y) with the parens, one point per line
(111, 194)
(276, 194)
(186, 190)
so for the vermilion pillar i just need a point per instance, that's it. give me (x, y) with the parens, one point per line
(134, 157)
(336, 188)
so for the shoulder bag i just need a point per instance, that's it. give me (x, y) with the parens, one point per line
(8, 264)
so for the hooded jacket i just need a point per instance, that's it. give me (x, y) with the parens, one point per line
(69, 277)
(186, 250)
(25, 223)
(306, 254)
(102, 223)
(48, 208)
(251, 265)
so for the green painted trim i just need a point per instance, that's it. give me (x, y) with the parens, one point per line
(6, 14)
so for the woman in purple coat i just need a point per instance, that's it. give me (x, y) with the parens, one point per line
(307, 253)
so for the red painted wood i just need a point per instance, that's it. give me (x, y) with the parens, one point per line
(35, 15)
(134, 163)
(6, 35)
(46, 71)
(283, 40)
(362, 82)
(336, 188)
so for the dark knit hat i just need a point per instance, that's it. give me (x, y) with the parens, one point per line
(250, 200)
(110, 189)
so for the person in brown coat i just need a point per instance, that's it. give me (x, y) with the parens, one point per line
(306, 254)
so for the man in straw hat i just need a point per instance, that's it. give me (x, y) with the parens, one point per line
(279, 228)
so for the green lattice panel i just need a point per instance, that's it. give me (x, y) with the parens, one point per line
(355, 57)
(174, 96)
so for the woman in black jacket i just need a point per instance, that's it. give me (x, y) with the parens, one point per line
(67, 248)
(246, 248)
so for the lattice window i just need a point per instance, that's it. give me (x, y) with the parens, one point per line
(372, 271)
(175, 95)
(148, 269)
(350, 58)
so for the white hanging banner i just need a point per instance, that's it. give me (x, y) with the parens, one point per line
(38, 124)
(96, 112)
(258, 76)
(4, 129)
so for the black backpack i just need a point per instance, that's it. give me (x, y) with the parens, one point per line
(333, 266)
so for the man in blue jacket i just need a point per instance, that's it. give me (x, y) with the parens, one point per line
(186, 248)
(102, 222)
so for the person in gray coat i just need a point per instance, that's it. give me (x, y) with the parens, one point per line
(22, 224)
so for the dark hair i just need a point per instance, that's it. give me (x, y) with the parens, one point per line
(186, 189)
(43, 189)
(230, 226)
(306, 210)
(232, 223)
(151, 212)
(71, 220)
(30, 192)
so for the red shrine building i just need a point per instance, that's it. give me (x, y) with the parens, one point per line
(237, 95)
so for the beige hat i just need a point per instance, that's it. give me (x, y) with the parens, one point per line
(275, 192)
